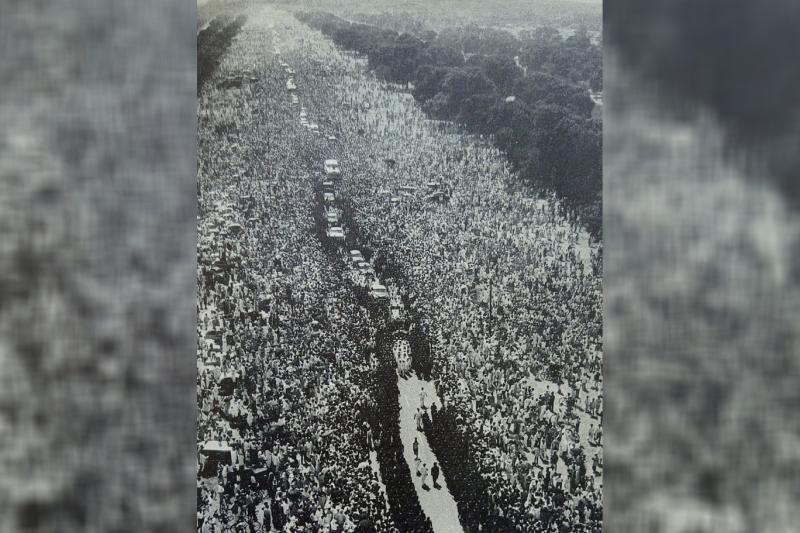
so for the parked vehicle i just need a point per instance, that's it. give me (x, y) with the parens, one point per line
(356, 257)
(331, 167)
(335, 232)
(379, 292)
(365, 269)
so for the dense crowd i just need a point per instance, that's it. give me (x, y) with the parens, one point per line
(282, 383)
(506, 286)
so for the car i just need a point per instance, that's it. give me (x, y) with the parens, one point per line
(331, 167)
(328, 197)
(332, 218)
(365, 268)
(356, 257)
(303, 113)
(437, 196)
(331, 137)
(378, 291)
(335, 232)
(290, 85)
(313, 126)
(218, 450)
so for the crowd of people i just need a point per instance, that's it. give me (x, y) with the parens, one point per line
(505, 284)
(282, 380)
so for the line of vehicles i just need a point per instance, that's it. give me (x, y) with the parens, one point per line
(335, 230)
(364, 272)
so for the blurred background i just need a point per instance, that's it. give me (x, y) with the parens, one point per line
(97, 263)
(701, 279)
(97, 266)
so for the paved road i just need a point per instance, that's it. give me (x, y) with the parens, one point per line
(438, 504)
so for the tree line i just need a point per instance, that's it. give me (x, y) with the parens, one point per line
(212, 42)
(529, 93)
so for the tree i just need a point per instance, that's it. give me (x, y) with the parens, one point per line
(540, 88)
(398, 60)
(536, 53)
(515, 127)
(428, 81)
(443, 56)
(497, 42)
(462, 83)
(477, 113)
(502, 70)
(439, 107)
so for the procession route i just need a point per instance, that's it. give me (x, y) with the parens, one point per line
(437, 503)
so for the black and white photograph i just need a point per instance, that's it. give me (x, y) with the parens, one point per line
(399, 266)
(423, 266)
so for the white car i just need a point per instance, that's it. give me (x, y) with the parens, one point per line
(356, 257)
(290, 86)
(336, 232)
(365, 269)
(331, 167)
(378, 291)
(328, 197)
(332, 218)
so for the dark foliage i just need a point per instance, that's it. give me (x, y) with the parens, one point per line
(733, 57)
(212, 42)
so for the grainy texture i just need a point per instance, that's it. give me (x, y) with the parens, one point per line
(701, 327)
(97, 261)
(734, 58)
